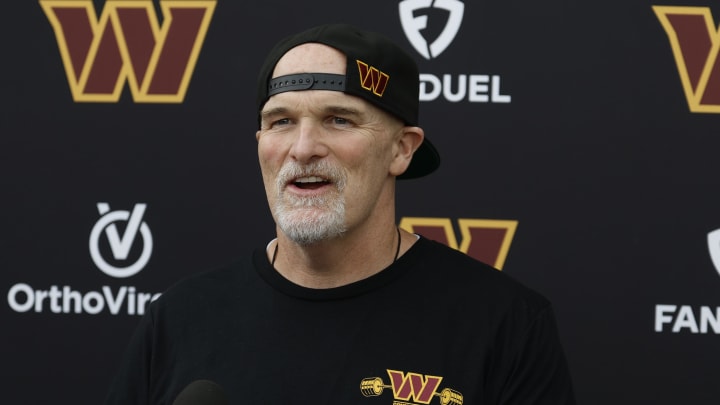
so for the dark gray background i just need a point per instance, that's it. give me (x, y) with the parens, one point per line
(613, 182)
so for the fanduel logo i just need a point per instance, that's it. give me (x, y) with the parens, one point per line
(413, 24)
(695, 45)
(120, 246)
(688, 318)
(713, 240)
(472, 88)
(127, 43)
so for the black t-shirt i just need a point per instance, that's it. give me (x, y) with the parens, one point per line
(435, 327)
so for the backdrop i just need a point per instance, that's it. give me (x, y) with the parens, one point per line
(580, 144)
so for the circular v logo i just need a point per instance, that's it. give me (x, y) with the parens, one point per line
(412, 24)
(120, 246)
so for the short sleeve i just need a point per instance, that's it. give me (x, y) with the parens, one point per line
(537, 373)
(131, 382)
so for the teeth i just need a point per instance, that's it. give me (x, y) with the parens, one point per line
(311, 179)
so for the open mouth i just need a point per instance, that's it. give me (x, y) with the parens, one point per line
(310, 183)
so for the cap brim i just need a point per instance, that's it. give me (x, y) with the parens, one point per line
(425, 161)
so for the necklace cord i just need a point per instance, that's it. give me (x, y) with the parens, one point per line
(272, 262)
(397, 252)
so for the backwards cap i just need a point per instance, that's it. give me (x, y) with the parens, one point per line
(377, 71)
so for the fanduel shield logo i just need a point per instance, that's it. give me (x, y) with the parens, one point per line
(412, 24)
(713, 239)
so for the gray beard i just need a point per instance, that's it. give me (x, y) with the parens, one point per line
(309, 220)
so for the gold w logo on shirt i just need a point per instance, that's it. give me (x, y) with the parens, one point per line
(415, 387)
(128, 44)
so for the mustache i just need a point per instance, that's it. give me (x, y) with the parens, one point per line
(324, 169)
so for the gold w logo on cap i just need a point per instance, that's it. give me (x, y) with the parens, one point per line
(695, 43)
(372, 79)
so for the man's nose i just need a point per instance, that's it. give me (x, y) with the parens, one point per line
(309, 143)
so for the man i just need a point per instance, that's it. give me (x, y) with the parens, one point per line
(343, 306)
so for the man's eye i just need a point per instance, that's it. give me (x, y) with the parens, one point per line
(340, 121)
(282, 121)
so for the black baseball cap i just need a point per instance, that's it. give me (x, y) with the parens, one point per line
(377, 71)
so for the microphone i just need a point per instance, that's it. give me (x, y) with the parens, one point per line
(201, 392)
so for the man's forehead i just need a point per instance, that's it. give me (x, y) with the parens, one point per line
(316, 100)
(311, 58)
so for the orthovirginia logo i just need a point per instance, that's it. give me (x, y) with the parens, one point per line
(122, 300)
(120, 247)
(128, 44)
(413, 25)
(695, 42)
(414, 387)
(487, 240)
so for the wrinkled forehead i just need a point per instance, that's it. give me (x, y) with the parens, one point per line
(316, 101)
(311, 58)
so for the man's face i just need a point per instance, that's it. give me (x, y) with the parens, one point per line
(325, 156)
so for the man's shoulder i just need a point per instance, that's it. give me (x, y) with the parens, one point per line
(474, 278)
(206, 285)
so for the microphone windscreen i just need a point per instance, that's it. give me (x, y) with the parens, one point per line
(201, 392)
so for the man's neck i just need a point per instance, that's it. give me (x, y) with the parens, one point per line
(338, 261)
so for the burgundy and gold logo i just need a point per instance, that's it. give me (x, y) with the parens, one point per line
(695, 42)
(487, 240)
(127, 43)
(372, 79)
(411, 388)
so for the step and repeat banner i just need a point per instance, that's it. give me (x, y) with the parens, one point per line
(580, 145)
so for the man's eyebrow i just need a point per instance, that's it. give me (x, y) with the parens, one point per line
(342, 110)
(273, 111)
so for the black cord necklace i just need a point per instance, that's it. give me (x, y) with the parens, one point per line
(272, 263)
(397, 252)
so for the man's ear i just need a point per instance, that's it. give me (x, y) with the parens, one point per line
(408, 142)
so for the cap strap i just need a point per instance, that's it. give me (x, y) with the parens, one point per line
(306, 81)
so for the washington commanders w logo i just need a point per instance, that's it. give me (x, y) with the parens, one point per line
(415, 387)
(487, 240)
(372, 79)
(127, 43)
(695, 43)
